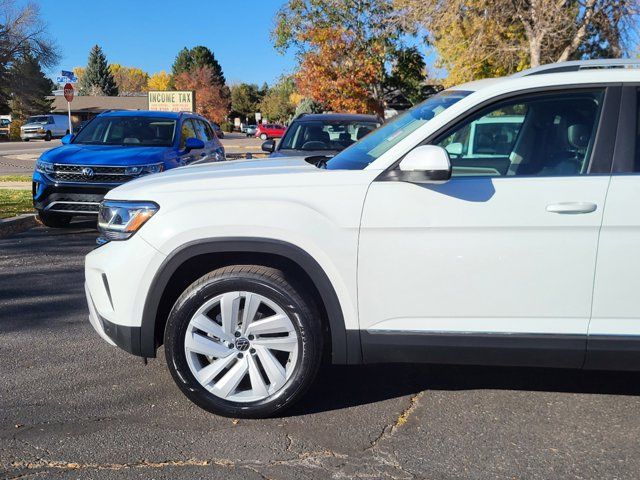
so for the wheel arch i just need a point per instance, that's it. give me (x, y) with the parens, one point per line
(345, 346)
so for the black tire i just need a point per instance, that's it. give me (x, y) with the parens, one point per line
(279, 288)
(25, 139)
(54, 220)
(47, 137)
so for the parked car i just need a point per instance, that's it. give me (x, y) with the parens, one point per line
(250, 130)
(250, 272)
(44, 127)
(322, 134)
(114, 148)
(266, 131)
(5, 125)
(218, 131)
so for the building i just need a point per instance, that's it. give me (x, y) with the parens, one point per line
(85, 107)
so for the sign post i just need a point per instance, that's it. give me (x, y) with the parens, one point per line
(68, 95)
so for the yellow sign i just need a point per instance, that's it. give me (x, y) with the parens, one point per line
(172, 101)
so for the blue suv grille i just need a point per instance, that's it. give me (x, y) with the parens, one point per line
(89, 174)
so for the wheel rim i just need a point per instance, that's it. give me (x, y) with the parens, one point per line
(241, 346)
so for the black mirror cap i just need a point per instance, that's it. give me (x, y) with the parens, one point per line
(269, 146)
(415, 176)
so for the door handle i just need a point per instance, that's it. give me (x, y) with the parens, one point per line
(203, 154)
(570, 208)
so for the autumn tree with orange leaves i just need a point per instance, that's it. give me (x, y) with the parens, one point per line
(213, 100)
(339, 73)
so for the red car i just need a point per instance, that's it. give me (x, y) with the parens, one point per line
(270, 130)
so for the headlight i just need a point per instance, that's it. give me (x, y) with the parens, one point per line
(119, 220)
(44, 167)
(144, 169)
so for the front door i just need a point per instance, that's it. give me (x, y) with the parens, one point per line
(497, 264)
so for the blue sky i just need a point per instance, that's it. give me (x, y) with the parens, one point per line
(149, 33)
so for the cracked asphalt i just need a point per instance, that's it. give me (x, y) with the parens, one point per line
(72, 407)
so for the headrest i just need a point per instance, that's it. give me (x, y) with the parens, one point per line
(578, 135)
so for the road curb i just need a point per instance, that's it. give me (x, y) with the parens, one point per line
(13, 225)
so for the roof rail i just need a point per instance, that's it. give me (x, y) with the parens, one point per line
(577, 65)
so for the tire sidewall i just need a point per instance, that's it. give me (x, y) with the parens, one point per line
(303, 321)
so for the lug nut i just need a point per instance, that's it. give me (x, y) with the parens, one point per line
(230, 345)
(252, 351)
(237, 334)
(240, 355)
(250, 337)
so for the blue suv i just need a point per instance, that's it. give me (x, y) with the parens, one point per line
(114, 148)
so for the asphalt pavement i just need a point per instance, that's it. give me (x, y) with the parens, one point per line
(71, 406)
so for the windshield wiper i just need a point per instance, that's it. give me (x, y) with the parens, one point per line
(319, 161)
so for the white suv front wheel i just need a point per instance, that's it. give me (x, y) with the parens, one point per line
(242, 341)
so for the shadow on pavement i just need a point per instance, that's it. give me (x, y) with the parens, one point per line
(340, 387)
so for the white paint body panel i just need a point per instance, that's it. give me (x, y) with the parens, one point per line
(616, 303)
(479, 255)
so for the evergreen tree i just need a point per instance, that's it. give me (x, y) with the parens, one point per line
(97, 78)
(30, 87)
(196, 58)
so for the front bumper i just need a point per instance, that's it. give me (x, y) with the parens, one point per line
(74, 200)
(32, 135)
(118, 276)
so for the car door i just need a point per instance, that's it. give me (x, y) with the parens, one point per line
(614, 330)
(205, 155)
(187, 131)
(496, 265)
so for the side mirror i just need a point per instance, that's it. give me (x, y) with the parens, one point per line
(269, 146)
(454, 149)
(426, 164)
(193, 143)
(66, 140)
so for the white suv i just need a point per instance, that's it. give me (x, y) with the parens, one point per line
(250, 272)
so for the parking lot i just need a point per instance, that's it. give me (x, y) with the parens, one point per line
(20, 157)
(71, 406)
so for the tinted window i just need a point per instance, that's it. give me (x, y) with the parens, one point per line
(208, 130)
(325, 135)
(129, 131)
(187, 132)
(542, 135)
(201, 130)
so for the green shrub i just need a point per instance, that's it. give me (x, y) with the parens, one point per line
(14, 130)
(226, 127)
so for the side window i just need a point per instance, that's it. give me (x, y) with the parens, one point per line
(200, 130)
(208, 131)
(187, 132)
(538, 135)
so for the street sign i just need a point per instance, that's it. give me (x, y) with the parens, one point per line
(68, 92)
(71, 79)
(67, 73)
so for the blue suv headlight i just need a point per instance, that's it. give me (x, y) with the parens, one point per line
(144, 169)
(44, 167)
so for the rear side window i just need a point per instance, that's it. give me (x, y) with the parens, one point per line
(201, 130)
(538, 135)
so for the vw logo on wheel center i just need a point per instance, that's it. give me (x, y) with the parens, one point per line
(87, 172)
(242, 344)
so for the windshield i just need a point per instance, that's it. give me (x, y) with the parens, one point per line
(362, 153)
(328, 135)
(38, 119)
(128, 131)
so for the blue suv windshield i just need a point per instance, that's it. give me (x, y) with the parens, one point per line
(128, 131)
(371, 147)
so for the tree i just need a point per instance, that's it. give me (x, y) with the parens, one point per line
(487, 38)
(348, 46)
(130, 80)
(30, 88)
(212, 100)
(159, 81)
(407, 76)
(200, 56)
(308, 105)
(245, 98)
(276, 105)
(22, 35)
(97, 78)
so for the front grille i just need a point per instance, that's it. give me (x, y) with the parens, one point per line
(77, 207)
(90, 174)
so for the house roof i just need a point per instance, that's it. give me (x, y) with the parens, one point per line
(95, 104)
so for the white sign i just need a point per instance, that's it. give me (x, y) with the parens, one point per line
(67, 80)
(172, 101)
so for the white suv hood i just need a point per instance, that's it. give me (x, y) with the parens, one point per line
(221, 175)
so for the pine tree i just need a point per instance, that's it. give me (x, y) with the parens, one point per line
(196, 58)
(97, 78)
(30, 87)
